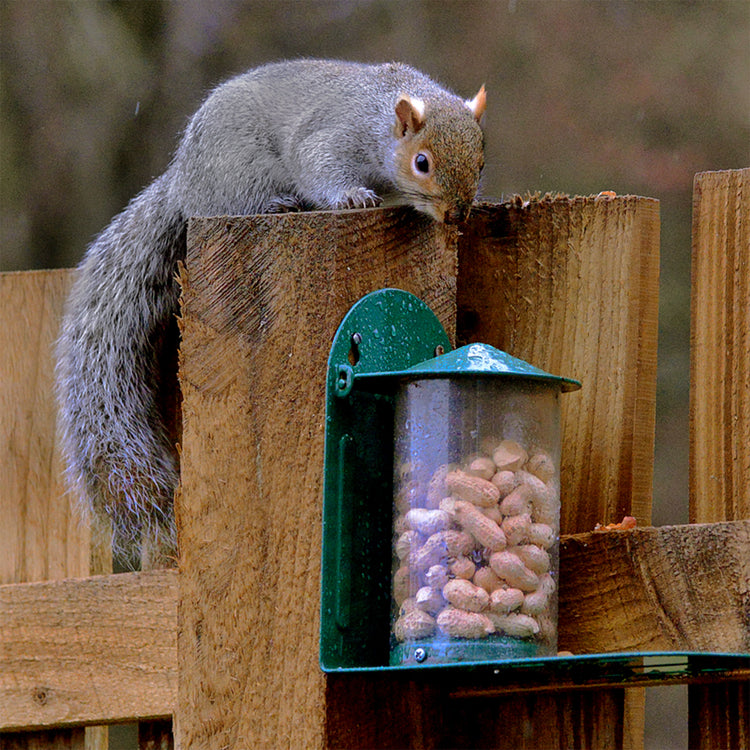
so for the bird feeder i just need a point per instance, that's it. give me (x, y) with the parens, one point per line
(442, 496)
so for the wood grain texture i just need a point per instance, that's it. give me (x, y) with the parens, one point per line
(81, 651)
(669, 588)
(425, 713)
(571, 285)
(720, 342)
(262, 299)
(69, 739)
(270, 290)
(43, 538)
(537, 721)
(259, 297)
(719, 716)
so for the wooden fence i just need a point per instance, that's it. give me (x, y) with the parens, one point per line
(229, 644)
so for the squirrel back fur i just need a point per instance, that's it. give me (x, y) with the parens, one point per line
(304, 134)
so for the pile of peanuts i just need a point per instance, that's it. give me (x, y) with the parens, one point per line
(472, 548)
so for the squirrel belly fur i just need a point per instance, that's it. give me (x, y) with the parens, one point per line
(305, 134)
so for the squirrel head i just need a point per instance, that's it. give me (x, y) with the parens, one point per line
(440, 154)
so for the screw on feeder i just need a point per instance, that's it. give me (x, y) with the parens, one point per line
(420, 655)
(344, 380)
(354, 351)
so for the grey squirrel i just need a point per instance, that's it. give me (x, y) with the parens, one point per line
(303, 134)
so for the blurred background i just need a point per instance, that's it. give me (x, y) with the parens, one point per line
(584, 96)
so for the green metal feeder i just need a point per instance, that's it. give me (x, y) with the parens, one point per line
(403, 412)
(441, 508)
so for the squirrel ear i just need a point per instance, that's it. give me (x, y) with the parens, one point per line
(478, 104)
(409, 115)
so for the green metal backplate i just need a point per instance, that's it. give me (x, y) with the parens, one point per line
(386, 331)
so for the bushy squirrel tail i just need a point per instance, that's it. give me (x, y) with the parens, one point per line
(118, 330)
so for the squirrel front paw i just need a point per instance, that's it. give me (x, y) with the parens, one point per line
(360, 197)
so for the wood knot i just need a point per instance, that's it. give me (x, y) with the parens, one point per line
(41, 695)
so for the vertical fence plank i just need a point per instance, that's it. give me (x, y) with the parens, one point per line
(262, 299)
(719, 715)
(720, 342)
(42, 537)
(571, 286)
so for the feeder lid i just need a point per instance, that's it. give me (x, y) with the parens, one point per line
(482, 359)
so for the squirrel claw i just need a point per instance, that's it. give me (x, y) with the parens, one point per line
(285, 204)
(360, 197)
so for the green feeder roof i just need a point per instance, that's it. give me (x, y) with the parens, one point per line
(482, 359)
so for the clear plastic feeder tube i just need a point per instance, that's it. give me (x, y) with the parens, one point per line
(475, 520)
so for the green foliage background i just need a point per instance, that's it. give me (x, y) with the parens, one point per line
(584, 96)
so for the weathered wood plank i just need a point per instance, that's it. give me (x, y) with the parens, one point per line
(53, 739)
(446, 718)
(720, 405)
(720, 342)
(571, 286)
(262, 299)
(81, 651)
(43, 537)
(719, 716)
(64, 640)
(677, 588)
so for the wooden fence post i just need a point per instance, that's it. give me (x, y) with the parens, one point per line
(44, 538)
(720, 342)
(719, 715)
(262, 298)
(572, 286)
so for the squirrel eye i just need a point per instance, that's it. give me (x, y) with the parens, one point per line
(421, 163)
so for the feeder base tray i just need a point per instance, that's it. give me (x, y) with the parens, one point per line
(457, 650)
